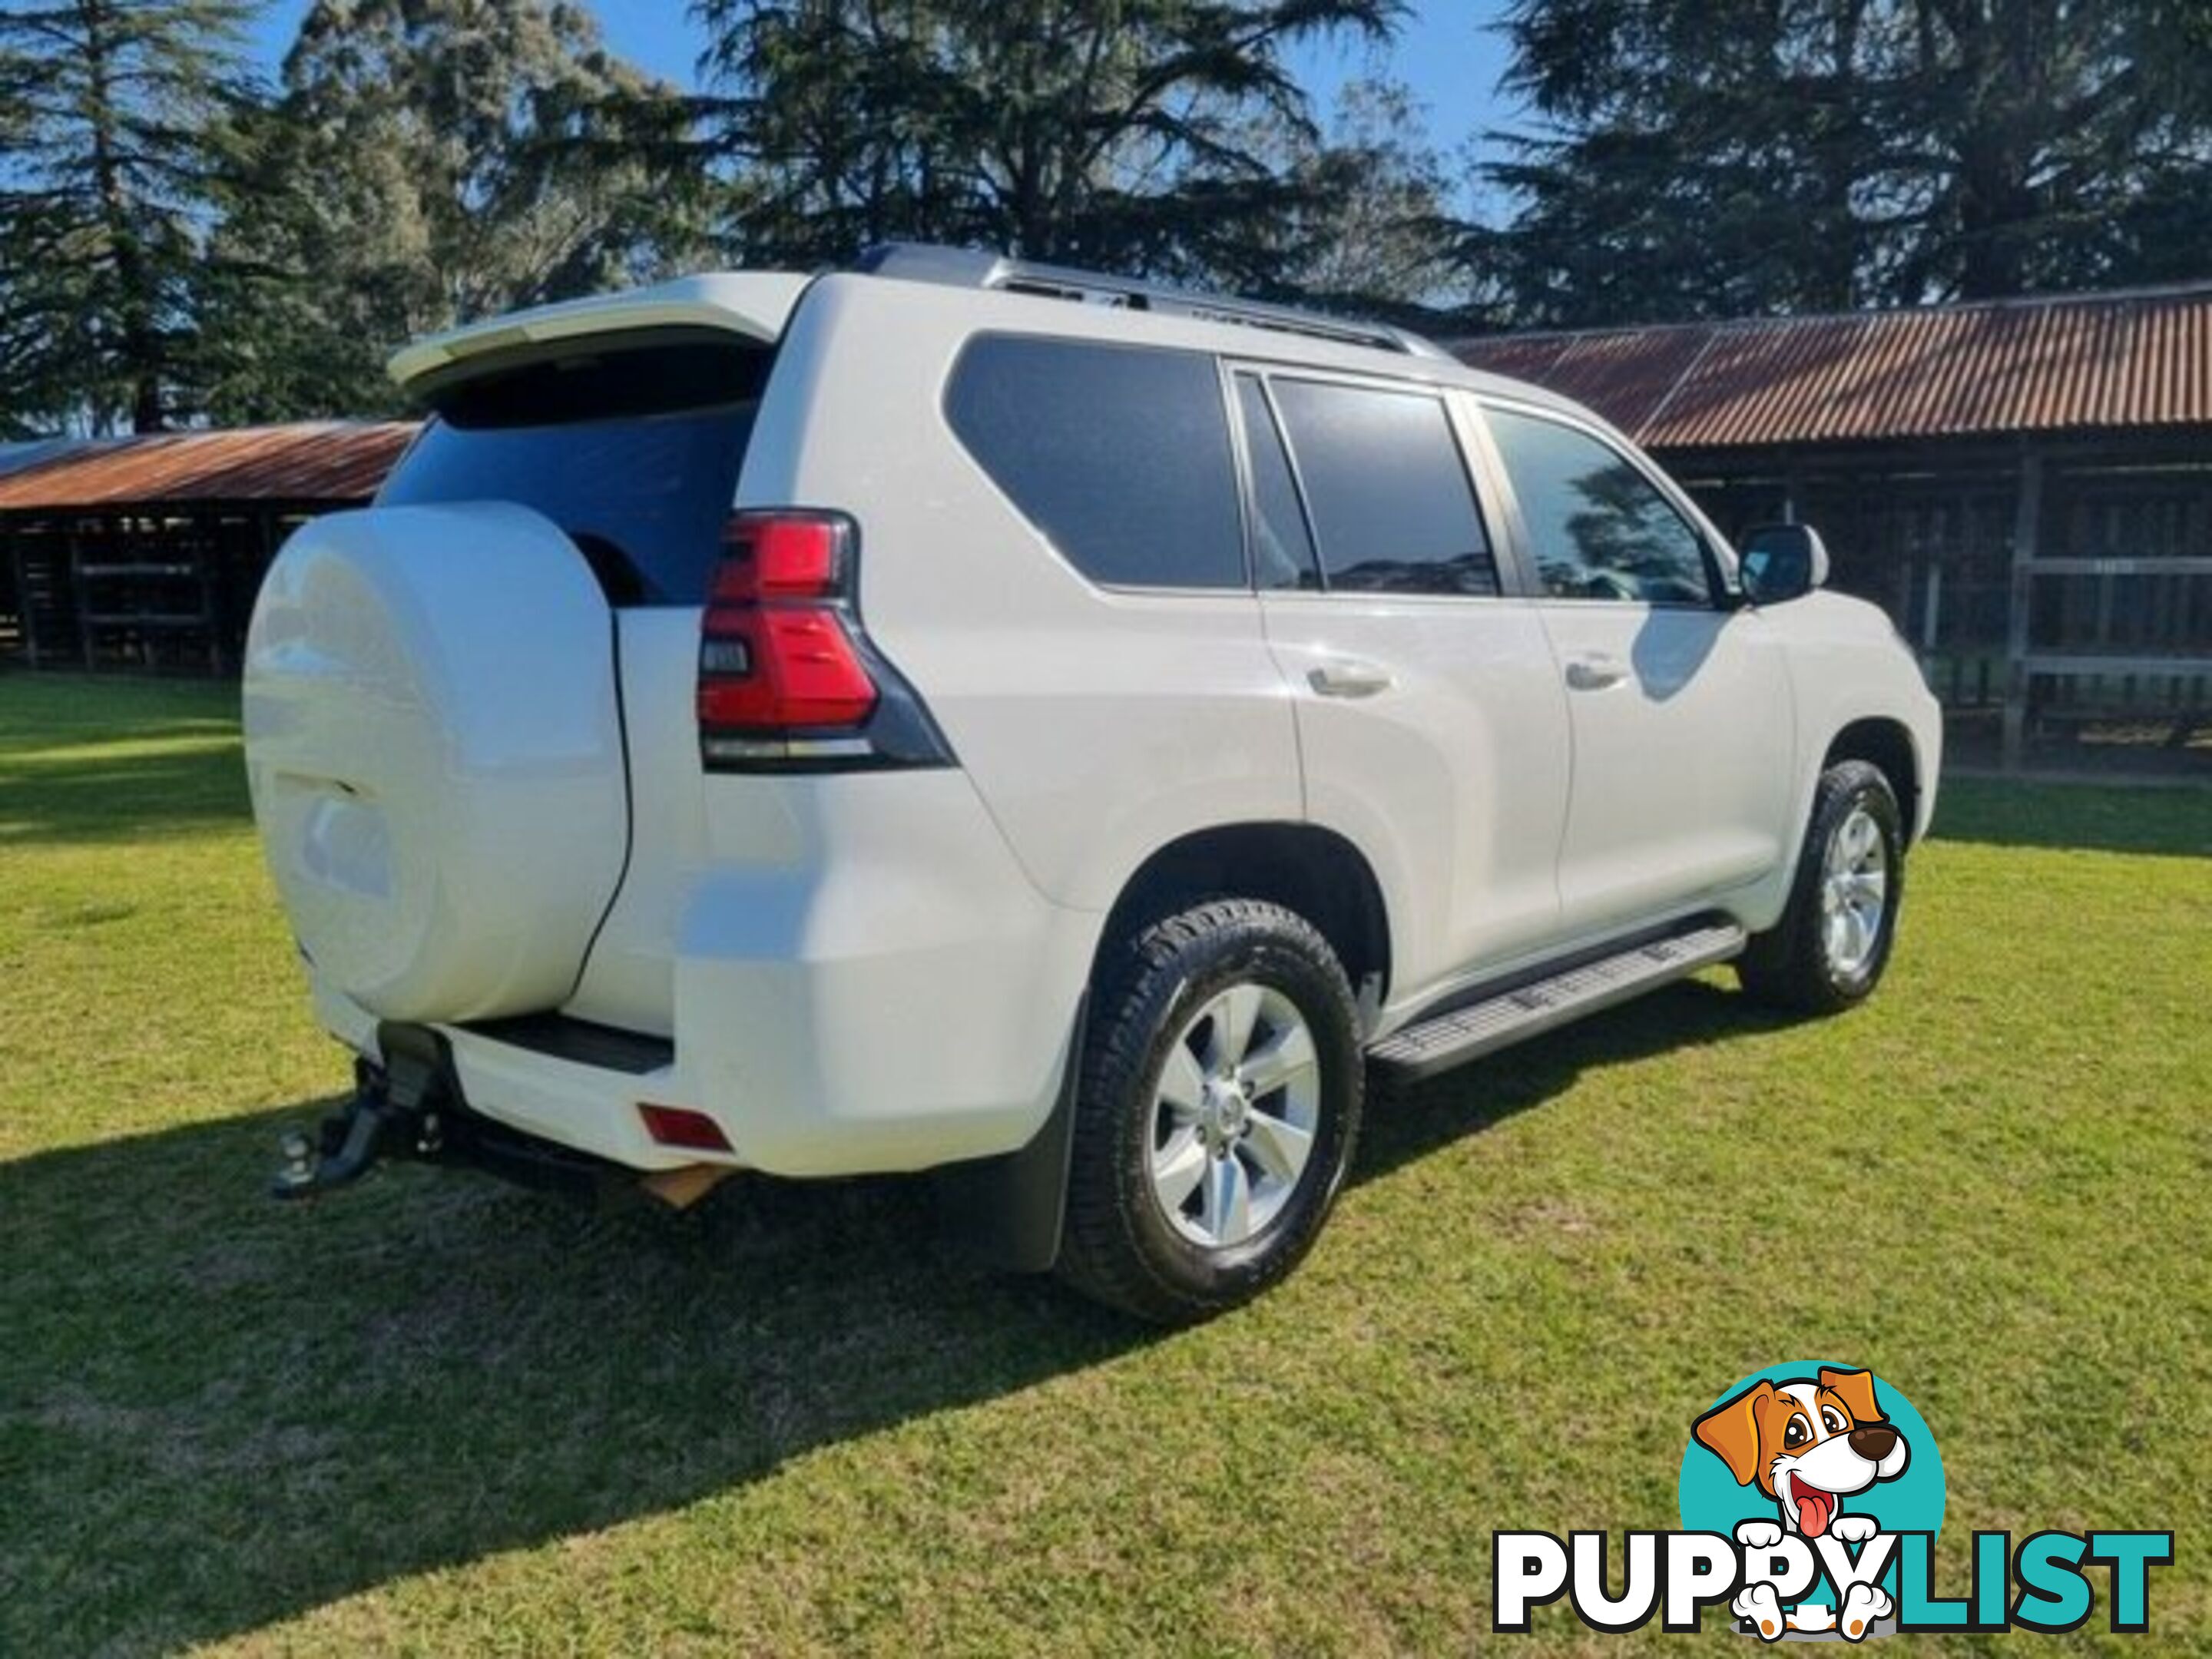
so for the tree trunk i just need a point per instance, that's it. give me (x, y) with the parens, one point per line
(141, 343)
(2005, 67)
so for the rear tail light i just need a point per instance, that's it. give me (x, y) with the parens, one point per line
(787, 679)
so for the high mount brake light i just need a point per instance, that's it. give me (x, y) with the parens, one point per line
(787, 678)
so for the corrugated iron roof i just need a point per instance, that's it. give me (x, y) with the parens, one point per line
(314, 461)
(30, 451)
(2080, 363)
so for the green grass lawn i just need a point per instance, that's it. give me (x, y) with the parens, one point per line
(432, 1415)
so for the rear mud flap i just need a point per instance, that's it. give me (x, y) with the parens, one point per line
(1009, 1210)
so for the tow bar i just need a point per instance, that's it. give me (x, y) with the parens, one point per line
(410, 1108)
(340, 1153)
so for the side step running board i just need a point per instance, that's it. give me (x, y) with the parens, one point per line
(1482, 1027)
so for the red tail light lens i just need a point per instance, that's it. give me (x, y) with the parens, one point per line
(777, 655)
(784, 556)
(775, 669)
(788, 680)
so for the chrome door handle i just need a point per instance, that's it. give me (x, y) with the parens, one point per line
(1594, 673)
(1349, 679)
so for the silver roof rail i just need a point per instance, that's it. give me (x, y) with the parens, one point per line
(960, 267)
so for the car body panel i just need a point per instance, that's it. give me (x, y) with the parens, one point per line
(1682, 766)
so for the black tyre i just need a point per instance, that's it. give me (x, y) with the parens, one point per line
(1220, 1103)
(1828, 951)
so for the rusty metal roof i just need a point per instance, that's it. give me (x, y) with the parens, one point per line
(2091, 362)
(320, 461)
(15, 456)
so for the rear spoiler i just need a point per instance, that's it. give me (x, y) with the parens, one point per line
(755, 304)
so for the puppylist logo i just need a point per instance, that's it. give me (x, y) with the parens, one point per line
(1811, 1496)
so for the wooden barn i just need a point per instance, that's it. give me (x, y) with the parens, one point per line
(2024, 486)
(145, 553)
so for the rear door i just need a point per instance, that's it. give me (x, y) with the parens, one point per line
(1431, 723)
(632, 444)
(1679, 700)
(442, 694)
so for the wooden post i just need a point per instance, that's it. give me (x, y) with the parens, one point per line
(73, 559)
(2026, 530)
(207, 538)
(1931, 611)
(27, 621)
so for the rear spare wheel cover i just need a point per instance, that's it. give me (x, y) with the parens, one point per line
(434, 744)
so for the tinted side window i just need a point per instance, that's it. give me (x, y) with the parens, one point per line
(1282, 547)
(1388, 489)
(1597, 527)
(1119, 454)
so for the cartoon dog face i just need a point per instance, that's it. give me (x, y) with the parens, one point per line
(1807, 1444)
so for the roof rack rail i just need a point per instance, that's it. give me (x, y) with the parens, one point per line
(960, 267)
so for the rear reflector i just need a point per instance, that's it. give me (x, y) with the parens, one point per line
(679, 1125)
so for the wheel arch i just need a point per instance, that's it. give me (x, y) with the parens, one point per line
(1886, 745)
(1314, 871)
(1013, 1206)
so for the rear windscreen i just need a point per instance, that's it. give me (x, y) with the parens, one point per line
(633, 450)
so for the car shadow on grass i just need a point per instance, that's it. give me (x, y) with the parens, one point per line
(155, 784)
(1406, 1122)
(218, 1411)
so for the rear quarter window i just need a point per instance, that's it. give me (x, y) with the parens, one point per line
(1120, 455)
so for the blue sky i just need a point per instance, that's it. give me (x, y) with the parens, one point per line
(1447, 52)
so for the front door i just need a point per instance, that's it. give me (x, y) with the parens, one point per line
(1678, 701)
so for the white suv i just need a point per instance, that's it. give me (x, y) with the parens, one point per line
(959, 713)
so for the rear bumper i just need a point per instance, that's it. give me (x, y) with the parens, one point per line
(827, 1032)
(589, 1108)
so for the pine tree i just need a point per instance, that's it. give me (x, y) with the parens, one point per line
(1367, 225)
(1113, 133)
(107, 154)
(430, 162)
(1719, 157)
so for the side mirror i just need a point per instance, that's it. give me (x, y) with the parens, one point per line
(1782, 561)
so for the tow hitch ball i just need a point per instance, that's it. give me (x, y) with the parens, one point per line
(370, 1125)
